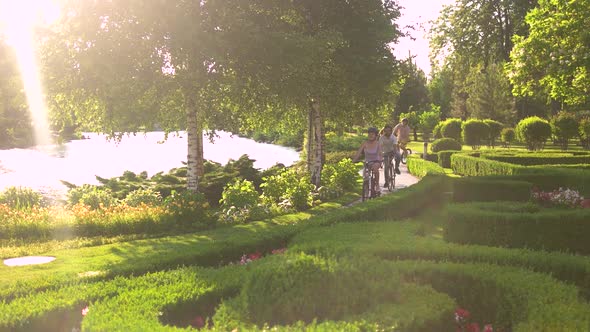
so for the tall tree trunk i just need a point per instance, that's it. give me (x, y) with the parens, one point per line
(318, 143)
(200, 166)
(193, 134)
(309, 143)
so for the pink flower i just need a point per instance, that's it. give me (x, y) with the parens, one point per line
(255, 256)
(85, 311)
(488, 328)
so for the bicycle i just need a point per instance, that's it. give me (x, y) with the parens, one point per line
(369, 185)
(405, 152)
(388, 171)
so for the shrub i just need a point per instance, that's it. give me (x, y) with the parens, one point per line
(564, 126)
(451, 128)
(21, 198)
(585, 132)
(343, 175)
(436, 131)
(478, 189)
(508, 136)
(187, 208)
(93, 196)
(420, 167)
(445, 144)
(289, 189)
(241, 193)
(143, 196)
(495, 129)
(475, 132)
(429, 120)
(533, 131)
(444, 158)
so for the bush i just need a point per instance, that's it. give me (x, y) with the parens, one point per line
(451, 128)
(188, 208)
(240, 193)
(444, 158)
(508, 136)
(289, 189)
(143, 196)
(475, 132)
(429, 120)
(533, 131)
(436, 131)
(495, 129)
(344, 175)
(94, 197)
(564, 126)
(445, 144)
(546, 229)
(585, 132)
(21, 198)
(478, 189)
(420, 167)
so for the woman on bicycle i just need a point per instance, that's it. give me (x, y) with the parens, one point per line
(389, 149)
(373, 155)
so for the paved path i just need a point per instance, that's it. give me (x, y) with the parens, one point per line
(403, 180)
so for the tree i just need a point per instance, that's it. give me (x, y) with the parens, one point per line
(555, 55)
(564, 126)
(414, 93)
(489, 94)
(440, 88)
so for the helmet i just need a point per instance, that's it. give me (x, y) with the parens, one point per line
(372, 130)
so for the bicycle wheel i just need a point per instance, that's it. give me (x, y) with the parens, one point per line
(405, 155)
(391, 180)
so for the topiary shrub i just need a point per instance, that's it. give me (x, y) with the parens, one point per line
(444, 144)
(585, 133)
(533, 131)
(508, 136)
(94, 197)
(564, 126)
(451, 128)
(436, 131)
(475, 132)
(495, 129)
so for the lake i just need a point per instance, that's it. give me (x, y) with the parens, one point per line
(79, 161)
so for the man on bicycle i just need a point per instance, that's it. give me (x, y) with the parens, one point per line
(402, 131)
(390, 150)
(373, 155)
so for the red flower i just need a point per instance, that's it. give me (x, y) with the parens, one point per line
(488, 328)
(278, 251)
(255, 255)
(197, 322)
(461, 315)
(473, 327)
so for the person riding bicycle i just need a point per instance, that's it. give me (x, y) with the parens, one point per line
(373, 155)
(389, 149)
(402, 132)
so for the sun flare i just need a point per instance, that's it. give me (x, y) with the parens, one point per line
(18, 20)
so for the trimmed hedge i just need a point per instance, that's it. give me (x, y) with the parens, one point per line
(540, 159)
(546, 229)
(420, 167)
(444, 158)
(443, 144)
(485, 189)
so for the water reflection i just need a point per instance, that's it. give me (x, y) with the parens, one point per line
(80, 161)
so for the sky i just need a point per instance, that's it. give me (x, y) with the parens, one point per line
(418, 13)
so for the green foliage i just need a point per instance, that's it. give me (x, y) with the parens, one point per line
(289, 189)
(429, 120)
(143, 196)
(420, 167)
(548, 229)
(343, 176)
(240, 193)
(585, 132)
(495, 129)
(451, 128)
(335, 143)
(436, 131)
(475, 133)
(564, 126)
(187, 208)
(444, 158)
(95, 197)
(533, 131)
(483, 189)
(555, 55)
(21, 198)
(508, 136)
(444, 144)
(489, 95)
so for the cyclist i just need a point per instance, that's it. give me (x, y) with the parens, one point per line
(390, 149)
(372, 150)
(402, 132)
